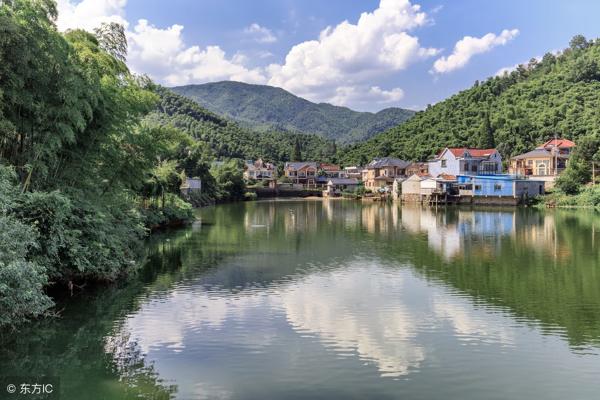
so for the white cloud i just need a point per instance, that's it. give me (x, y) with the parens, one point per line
(345, 65)
(506, 70)
(351, 55)
(469, 46)
(88, 14)
(260, 34)
(366, 97)
(159, 52)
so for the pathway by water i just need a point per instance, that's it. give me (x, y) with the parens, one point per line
(314, 299)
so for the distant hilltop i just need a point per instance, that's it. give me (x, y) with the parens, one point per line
(267, 108)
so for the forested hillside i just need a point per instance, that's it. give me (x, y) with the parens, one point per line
(81, 178)
(557, 95)
(226, 139)
(267, 108)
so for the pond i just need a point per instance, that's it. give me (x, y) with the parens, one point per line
(309, 299)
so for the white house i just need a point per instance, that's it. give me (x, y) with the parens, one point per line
(464, 161)
(259, 170)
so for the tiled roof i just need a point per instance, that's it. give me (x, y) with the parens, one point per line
(460, 152)
(539, 152)
(300, 164)
(387, 162)
(560, 143)
(446, 177)
(343, 181)
(330, 167)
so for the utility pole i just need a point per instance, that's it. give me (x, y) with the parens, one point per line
(555, 156)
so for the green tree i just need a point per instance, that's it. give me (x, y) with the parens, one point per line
(486, 139)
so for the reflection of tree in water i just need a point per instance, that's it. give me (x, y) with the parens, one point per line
(546, 268)
(139, 377)
(72, 347)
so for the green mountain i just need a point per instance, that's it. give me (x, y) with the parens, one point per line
(267, 108)
(227, 139)
(557, 95)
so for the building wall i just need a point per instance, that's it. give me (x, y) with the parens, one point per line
(457, 167)
(529, 188)
(493, 187)
(411, 187)
(428, 186)
(452, 165)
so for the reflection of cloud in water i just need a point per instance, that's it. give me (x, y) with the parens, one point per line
(378, 314)
(470, 324)
(352, 310)
(164, 322)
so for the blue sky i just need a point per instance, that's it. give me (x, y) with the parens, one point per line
(400, 53)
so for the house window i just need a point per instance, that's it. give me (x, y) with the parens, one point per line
(474, 168)
(477, 187)
(542, 167)
(497, 187)
(444, 164)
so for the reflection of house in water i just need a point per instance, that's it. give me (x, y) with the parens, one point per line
(380, 219)
(442, 234)
(301, 216)
(261, 219)
(538, 230)
(449, 232)
(486, 223)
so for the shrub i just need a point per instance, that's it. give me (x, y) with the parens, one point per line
(21, 281)
(250, 196)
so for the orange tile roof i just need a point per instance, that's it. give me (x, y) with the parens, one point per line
(460, 152)
(447, 177)
(560, 143)
(330, 167)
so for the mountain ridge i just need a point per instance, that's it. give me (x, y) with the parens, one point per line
(268, 108)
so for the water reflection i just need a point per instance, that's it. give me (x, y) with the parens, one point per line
(330, 299)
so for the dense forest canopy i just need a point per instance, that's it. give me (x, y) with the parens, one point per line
(266, 108)
(557, 95)
(226, 139)
(81, 177)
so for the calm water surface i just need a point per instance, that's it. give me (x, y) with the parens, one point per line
(335, 299)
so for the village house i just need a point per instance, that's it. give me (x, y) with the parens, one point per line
(411, 188)
(419, 187)
(381, 172)
(354, 172)
(302, 172)
(335, 186)
(331, 171)
(328, 171)
(419, 168)
(259, 170)
(397, 187)
(499, 189)
(465, 161)
(441, 184)
(545, 162)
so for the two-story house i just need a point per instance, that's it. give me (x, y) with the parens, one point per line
(354, 171)
(382, 172)
(545, 162)
(327, 171)
(259, 170)
(465, 161)
(301, 172)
